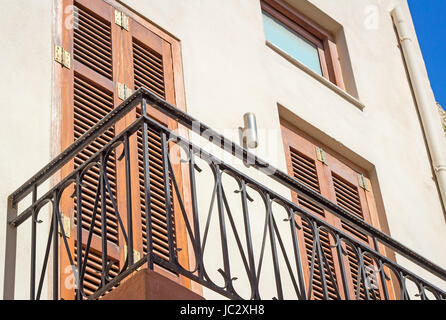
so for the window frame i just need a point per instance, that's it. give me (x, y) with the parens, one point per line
(313, 33)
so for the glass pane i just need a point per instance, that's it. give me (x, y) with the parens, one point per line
(292, 43)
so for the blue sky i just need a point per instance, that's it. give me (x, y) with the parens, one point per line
(430, 24)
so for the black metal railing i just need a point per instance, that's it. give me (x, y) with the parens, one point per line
(245, 244)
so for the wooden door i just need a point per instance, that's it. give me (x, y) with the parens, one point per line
(103, 56)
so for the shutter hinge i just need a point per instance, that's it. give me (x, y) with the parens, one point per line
(136, 255)
(62, 56)
(123, 91)
(122, 20)
(321, 156)
(66, 223)
(363, 182)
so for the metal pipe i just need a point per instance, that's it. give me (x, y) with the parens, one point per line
(426, 103)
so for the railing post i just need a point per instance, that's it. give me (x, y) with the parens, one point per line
(246, 222)
(145, 144)
(79, 286)
(102, 185)
(297, 251)
(269, 212)
(169, 215)
(317, 243)
(33, 246)
(55, 248)
(223, 238)
(193, 191)
(128, 191)
(10, 252)
(342, 267)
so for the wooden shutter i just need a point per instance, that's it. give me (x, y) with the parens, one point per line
(151, 67)
(302, 165)
(149, 73)
(348, 194)
(336, 179)
(103, 55)
(88, 94)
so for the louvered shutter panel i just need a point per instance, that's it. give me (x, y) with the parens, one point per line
(148, 68)
(304, 170)
(347, 196)
(88, 95)
(105, 55)
(91, 104)
(92, 44)
(92, 48)
(149, 73)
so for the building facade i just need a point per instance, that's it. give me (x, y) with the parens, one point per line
(342, 103)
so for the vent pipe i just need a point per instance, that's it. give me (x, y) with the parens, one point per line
(426, 104)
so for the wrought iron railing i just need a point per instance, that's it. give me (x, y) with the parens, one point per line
(273, 256)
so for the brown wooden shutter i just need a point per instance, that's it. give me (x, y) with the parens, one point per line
(149, 73)
(88, 94)
(304, 170)
(351, 197)
(302, 164)
(152, 69)
(336, 180)
(103, 55)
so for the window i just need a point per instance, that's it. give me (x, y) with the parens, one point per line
(294, 44)
(301, 39)
(336, 179)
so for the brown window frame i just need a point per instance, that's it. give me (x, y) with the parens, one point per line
(312, 32)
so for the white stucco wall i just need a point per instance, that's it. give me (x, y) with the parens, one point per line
(228, 70)
(25, 111)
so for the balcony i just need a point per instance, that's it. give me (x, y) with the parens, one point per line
(208, 223)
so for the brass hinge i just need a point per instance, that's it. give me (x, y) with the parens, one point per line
(321, 156)
(122, 20)
(62, 56)
(66, 223)
(363, 182)
(123, 91)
